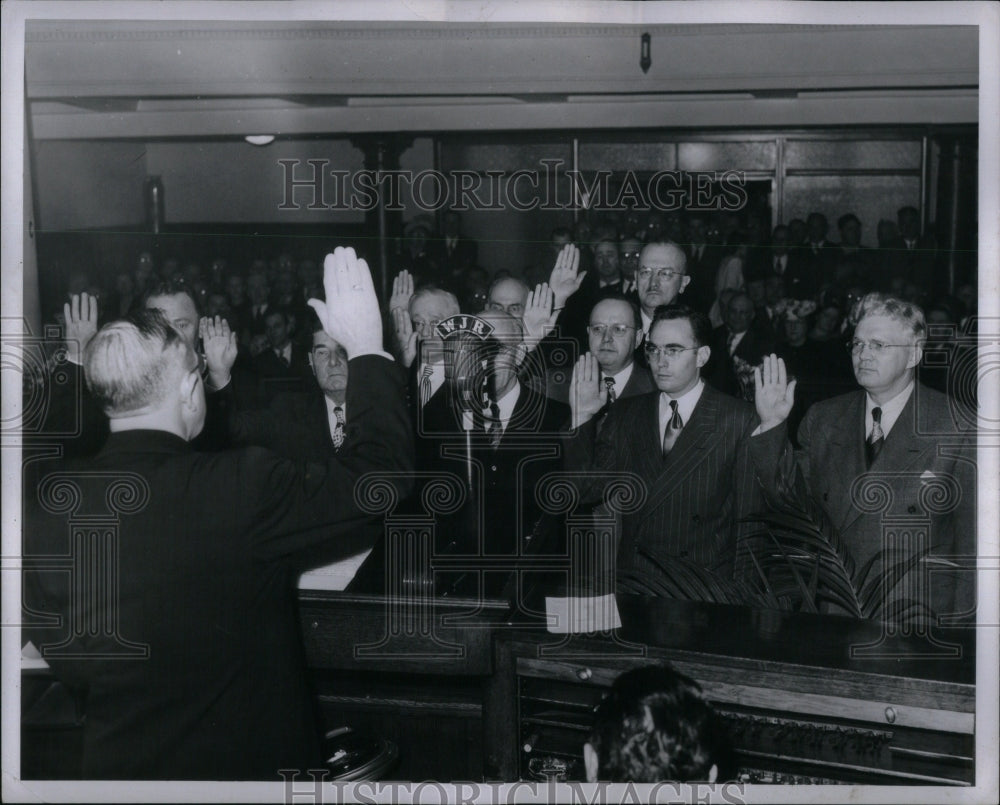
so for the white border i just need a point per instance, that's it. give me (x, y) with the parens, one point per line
(985, 15)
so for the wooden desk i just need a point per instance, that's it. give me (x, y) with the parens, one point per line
(805, 701)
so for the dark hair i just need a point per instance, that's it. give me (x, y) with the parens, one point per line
(172, 288)
(700, 324)
(618, 296)
(907, 210)
(844, 220)
(655, 725)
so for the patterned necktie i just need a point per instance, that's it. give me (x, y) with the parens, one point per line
(425, 384)
(338, 430)
(876, 439)
(609, 384)
(495, 429)
(673, 429)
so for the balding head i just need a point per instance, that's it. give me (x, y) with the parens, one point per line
(509, 295)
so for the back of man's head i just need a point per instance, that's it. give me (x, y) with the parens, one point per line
(655, 725)
(131, 364)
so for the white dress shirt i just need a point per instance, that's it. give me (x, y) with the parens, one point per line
(685, 406)
(890, 410)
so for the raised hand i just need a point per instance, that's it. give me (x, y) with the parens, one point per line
(587, 394)
(774, 394)
(404, 335)
(219, 342)
(81, 324)
(402, 290)
(539, 318)
(565, 279)
(350, 314)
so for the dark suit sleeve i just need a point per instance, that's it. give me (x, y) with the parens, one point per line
(749, 499)
(783, 471)
(298, 507)
(72, 418)
(594, 451)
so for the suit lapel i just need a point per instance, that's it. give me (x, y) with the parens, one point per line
(903, 445)
(691, 448)
(847, 439)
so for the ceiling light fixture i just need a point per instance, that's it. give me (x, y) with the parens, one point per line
(259, 139)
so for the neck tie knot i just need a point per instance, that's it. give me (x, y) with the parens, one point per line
(609, 385)
(673, 429)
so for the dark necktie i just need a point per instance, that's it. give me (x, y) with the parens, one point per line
(876, 439)
(495, 429)
(338, 429)
(673, 429)
(609, 384)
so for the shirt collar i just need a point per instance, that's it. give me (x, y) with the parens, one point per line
(685, 403)
(622, 378)
(890, 410)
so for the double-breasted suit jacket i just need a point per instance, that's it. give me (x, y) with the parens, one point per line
(694, 496)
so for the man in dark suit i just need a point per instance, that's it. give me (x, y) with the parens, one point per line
(284, 365)
(687, 441)
(811, 265)
(911, 255)
(703, 260)
(605, 279)
(737, 346)
(514, 438)
(196, 670)
(452, 252)
(891, 449)
(613, 336)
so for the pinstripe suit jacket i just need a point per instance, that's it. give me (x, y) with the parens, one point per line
(694, 496)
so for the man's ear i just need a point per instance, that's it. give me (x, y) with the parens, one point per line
(713, 773)
(916, 356)
(685, 281)
(188, 386)
(704, 353)
(590, 762)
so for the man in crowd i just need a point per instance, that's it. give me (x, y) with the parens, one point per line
(284, 365)
(902, 434)
(737, 347)
(703, 260)
(508, 294)
(687, 441)
(214, 687)
(661, 277)
(653, 726)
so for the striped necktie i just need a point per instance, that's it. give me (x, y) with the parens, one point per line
(609, 384)
(425, 384)
(876, 439)
(673, 429)
(338, 429)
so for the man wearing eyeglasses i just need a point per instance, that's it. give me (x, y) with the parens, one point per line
(909, 444)
(687, 441)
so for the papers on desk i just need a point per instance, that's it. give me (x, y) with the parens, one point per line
(31, 658)
(333, 577)
(581, 615)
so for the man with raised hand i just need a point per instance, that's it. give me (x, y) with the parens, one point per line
(199, 674)
(892, 437)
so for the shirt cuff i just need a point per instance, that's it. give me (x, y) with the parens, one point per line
(374, 352)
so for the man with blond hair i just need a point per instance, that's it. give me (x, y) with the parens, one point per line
(188, 655)
(892, 450)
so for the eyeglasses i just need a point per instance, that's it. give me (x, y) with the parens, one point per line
(516, 309)
(855, 346)
(422, 326)
(664, 274)
(655, 353)
(617, 330)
